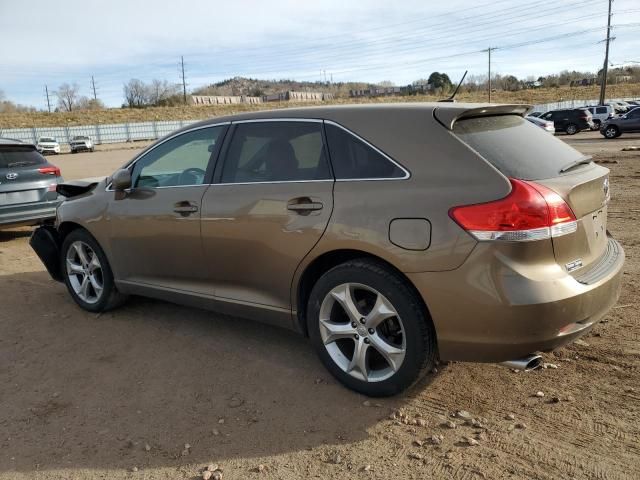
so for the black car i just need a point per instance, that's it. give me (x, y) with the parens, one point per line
(616, 126)
(571, 120)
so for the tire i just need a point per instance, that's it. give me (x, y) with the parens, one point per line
(405, 333)
(611, 132)
(91, 298)
(596, 125)
(571, 129)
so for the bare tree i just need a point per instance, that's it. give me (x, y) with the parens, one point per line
(160, 91)
(136, 93)
(68, 96)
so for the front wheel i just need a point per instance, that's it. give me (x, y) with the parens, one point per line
(87, 273)
(596, 125)
(370, 329)
(611, 132)
(571, 129)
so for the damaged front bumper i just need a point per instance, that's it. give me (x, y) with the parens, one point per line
(45, 241)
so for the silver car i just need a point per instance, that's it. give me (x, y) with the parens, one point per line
(27, 185)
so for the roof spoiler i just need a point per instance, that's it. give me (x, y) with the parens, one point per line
(449, 116)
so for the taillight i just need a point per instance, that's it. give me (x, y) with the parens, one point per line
(530, 212)
(50, 171)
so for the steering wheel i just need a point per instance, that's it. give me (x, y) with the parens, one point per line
(193, 171)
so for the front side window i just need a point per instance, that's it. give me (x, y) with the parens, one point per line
(352, 158)
(601, 110)
(181, 161)
(276, 152)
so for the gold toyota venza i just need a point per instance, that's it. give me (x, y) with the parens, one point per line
(392, 235)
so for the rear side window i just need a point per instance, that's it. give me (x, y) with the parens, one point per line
(276, 152)
(352, 158)
(516, 147)
(16, 156)
(601, 110)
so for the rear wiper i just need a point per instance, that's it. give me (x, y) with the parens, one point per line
(18, 164)
(575, 163)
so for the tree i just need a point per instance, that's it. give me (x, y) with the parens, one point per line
(136, 93)
(160, 91)
(440, 80)
(67, 96)
(85, 103)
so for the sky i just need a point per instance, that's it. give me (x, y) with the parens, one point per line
(49, 42)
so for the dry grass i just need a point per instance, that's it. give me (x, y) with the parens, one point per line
(122, 115)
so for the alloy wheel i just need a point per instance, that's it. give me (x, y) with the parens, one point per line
(84, 272)
(362, 332)
(610, 132)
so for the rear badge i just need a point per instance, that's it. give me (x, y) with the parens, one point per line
(576, 264)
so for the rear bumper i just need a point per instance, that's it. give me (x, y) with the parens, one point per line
(490, 310)
(28, 214)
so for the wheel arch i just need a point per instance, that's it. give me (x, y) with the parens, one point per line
(325, 262)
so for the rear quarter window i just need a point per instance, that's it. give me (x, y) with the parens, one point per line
(19, 157)
(516, 147)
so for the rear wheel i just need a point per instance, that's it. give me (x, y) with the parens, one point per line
(370, 329)
(611, 132)
(596, 125)
(87, 273)
(571, 129)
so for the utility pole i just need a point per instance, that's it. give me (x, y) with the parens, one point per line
(46, 91)
(605, 68)
(184, 83)
(93, 86)
(489, 50)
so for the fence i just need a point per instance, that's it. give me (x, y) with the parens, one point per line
(108, 133)
(129, 132)
(545, 107)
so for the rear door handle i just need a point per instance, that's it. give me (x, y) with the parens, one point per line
(185, 208)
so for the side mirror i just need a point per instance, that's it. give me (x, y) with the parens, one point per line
(121, 180)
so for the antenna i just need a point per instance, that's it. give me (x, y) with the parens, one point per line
(452, 97)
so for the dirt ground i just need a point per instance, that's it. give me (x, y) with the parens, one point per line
(158, 391)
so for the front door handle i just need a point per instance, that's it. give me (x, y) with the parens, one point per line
(303, 205)
(185, 208)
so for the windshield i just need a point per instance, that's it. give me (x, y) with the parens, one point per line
(46, 139)
(516, 147)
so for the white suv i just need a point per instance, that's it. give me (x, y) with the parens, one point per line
(48, 145)
(600, 114)
(81, 143)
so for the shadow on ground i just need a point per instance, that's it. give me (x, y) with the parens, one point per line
(83, 390)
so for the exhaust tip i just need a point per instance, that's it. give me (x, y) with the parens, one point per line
(528, 363)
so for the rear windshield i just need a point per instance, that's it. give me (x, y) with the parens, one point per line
(516, 147)
(19, 157)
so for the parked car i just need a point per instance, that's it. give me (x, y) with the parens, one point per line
(81, 143)
(627, 123)
(454, 231)
(546, 125)
(535, 114)
(570, 121)
(618, 108)
(48, 145)
(634, 102)
(600, 113)
(27, 185)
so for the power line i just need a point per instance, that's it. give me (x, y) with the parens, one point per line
(93, 86)
(184, 83)
(46, 90)
(605, 68)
